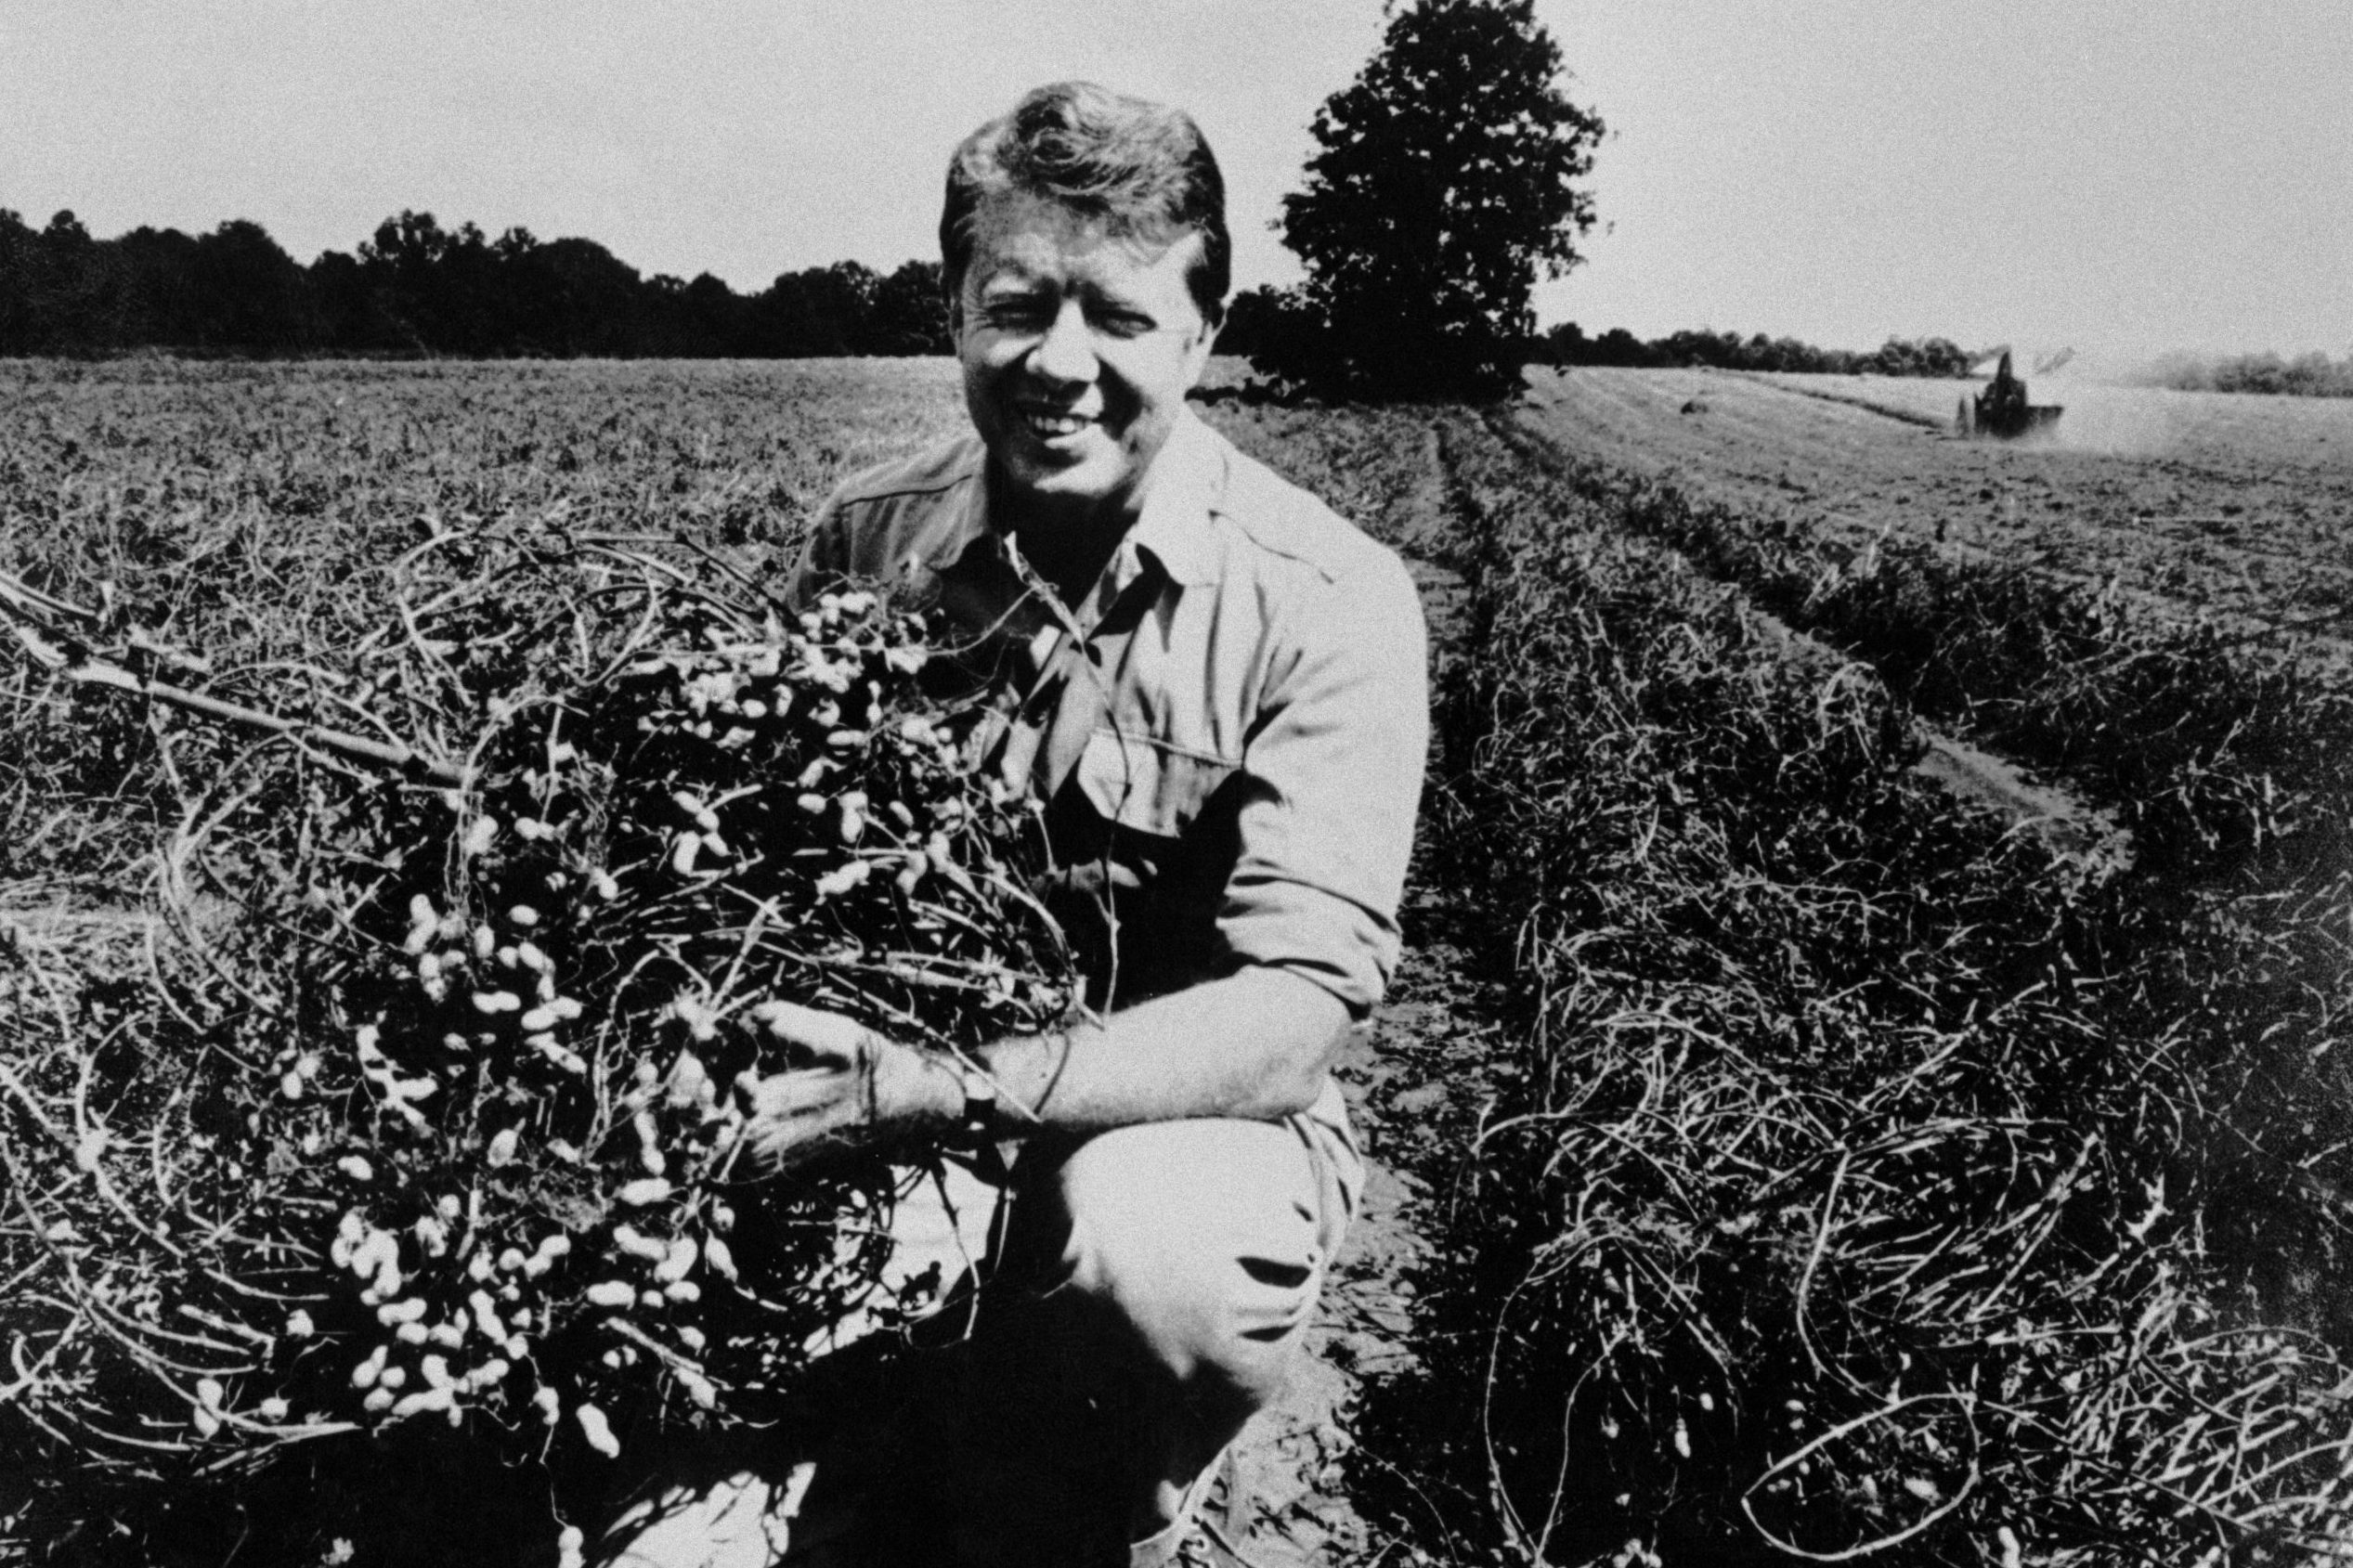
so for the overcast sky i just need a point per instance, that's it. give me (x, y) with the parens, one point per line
(2122, 174)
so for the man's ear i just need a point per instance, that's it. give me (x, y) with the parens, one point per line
(1197, 356)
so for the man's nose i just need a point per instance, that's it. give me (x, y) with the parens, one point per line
(1067, 351)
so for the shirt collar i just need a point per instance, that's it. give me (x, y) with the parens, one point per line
(1187, 479)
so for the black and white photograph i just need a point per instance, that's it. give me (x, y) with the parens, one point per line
(1176, 784)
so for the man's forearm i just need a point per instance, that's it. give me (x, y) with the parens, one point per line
(1256, 1044)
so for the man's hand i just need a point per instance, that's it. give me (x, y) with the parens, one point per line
(857, 1087)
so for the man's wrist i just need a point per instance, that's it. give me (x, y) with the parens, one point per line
(1003, 1087)
(936, 1094)
(921, 1094)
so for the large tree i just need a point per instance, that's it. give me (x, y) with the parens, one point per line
(1449, 176)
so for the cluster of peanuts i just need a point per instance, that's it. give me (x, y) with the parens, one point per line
(529, 1135)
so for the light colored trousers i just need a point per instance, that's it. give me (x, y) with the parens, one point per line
(1144, 1297)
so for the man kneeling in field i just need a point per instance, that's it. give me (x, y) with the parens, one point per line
(1215, 686)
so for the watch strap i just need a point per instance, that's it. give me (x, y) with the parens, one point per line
(979, 1120)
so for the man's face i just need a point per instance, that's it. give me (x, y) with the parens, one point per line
(1078, 347)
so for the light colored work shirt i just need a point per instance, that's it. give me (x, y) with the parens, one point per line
(1228, 731)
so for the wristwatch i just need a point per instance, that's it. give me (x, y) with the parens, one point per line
(979, 1122)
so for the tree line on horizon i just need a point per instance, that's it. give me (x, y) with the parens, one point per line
(1277, 325)
(2306, 375)
(1568, 345)
(416, 288)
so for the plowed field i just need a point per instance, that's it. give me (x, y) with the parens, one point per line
(2237, 507)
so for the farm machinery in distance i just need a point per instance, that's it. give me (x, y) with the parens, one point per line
(2001, 411)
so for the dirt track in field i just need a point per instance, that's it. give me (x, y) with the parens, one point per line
(2237, 507)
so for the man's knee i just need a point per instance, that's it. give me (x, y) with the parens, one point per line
(1207, 1238)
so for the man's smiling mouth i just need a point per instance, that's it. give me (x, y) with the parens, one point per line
(1051, 423)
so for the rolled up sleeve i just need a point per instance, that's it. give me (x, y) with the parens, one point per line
(1333, 782)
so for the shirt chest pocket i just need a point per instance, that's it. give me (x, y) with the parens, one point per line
(1147, 787)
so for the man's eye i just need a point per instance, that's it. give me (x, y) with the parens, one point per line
(1123, 324)
(1018, 316)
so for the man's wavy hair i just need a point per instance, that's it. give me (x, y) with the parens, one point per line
(1141, 168)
